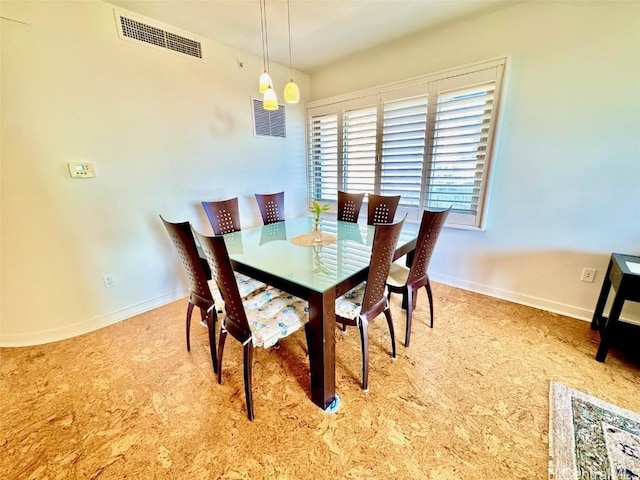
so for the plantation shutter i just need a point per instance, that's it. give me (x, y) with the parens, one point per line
(459, 137)
(404, 126)
(359, 149)
(342, 148)
(459, 147)
(428, 140)
(323, 156)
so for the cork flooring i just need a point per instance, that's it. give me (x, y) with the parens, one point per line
(467, 400)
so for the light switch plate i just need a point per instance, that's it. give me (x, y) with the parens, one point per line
(81, 169)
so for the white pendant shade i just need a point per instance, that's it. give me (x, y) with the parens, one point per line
(291, 92)
(270, 99)
(265, 82)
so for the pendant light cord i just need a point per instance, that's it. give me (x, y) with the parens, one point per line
(266, 34)
(289, 23)
(262, 32)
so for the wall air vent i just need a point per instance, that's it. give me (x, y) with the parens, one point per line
(268, 123)
(143, 30)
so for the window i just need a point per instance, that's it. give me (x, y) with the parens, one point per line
(428, 140)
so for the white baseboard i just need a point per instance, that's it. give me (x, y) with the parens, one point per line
(535, 302)
(68, 331)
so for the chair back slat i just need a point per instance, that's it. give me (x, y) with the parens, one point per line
(271, 207)
(349, 205)
(224, 215)
(217, 256)
(381, 208)
(182, 237)
(430, 228)
(385, 240)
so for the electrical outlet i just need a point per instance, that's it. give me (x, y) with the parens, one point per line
(109, 280)
(588, 275)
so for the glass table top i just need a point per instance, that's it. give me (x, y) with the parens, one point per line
(270, 249)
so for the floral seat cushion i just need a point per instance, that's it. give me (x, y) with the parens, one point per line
(247, 286)
(349, 305)
(274, 314)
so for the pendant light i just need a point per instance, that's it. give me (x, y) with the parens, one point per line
(291, 90)
(265, 78)
(270, 99)
(265, 82)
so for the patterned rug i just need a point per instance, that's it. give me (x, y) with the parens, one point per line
(590, 439)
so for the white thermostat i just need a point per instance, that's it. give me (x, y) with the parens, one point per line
(81, 169)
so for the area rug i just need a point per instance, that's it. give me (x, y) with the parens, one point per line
(590, 439)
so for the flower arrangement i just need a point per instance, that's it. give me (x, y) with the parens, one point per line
(318, 209)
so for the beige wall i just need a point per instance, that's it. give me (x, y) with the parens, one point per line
(567, 162)
(164, 132)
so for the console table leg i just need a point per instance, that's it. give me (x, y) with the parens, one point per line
(607, 331)
(602, 300)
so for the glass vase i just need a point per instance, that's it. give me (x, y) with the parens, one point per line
(316, 234)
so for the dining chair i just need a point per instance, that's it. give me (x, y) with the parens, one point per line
(349, 205)
(271, 207)
(258, 321)
(363, 303)
(224, 215)
(408, 280)
(381, 208)
(202, 293)
(199, 292)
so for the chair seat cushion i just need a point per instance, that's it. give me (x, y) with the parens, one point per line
(247, 286)
(350, 304)
(398, 275)
(274, 314)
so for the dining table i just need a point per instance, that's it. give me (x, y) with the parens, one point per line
(285, 255)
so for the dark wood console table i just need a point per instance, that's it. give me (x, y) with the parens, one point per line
(626, 285)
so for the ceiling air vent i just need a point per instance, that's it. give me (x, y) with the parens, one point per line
(268, 123)
(144, 31)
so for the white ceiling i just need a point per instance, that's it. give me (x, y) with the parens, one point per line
(322, 31)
